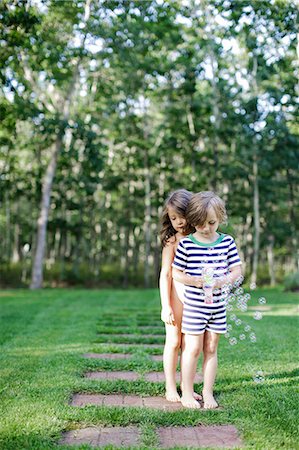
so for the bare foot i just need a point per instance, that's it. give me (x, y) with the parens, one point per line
(190, 402)
(172, 396)
(195, 394)
(209, 401)
(197, 397)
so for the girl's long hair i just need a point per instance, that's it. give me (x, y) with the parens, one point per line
(178, 200)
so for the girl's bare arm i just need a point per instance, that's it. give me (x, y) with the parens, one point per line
(165, 282)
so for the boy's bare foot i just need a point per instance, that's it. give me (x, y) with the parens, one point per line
(190, 402)
(172, 396)
(209, 401)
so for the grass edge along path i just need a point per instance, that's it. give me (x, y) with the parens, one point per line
(45, 333)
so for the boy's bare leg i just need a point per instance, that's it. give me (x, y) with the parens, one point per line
(210, 364)
(192, 349)
(195, 394)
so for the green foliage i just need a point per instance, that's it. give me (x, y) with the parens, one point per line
(165, 96)
(291, 282)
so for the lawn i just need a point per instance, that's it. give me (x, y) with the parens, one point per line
(43, 335)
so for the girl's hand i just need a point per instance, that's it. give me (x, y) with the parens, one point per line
(167, 316)
(197, 282)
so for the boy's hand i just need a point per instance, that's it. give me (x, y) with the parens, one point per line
(167, 316)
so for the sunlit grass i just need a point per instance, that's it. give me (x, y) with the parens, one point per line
(44, 335)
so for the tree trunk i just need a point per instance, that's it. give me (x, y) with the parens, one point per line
(37, 273)
(147, 223)
(270, 257)
(256, 216)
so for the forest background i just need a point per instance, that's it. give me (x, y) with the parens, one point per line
(107, 106)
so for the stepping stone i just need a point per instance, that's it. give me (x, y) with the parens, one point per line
(156, 357)
(115, 375)
(114, 356)
(137, 345)
(157, 377)
(100, 437)
(201, 436)
(107, 355)
(161, 403)
(130, 335)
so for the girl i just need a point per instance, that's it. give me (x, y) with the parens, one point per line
(204, 305)
(174, 227)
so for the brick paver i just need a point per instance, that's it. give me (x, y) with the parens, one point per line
(118, 356)
(107, 355)
(156, 357)
(124, 401)
(137, 345)
(216, 436)
(158, 377)
(100, 437)
(132, 335)
(115, 375)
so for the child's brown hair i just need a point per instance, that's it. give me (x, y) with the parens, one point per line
(178, 200)
(200, 203)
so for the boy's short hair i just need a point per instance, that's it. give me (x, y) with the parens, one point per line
(197, 210)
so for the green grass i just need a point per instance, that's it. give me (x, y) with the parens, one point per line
(44, 334)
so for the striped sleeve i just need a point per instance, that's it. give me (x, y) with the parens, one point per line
(233, 258)
(180, 259)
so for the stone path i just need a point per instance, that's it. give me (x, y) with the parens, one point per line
(201, 436)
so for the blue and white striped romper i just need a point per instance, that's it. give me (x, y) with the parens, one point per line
(192, 256)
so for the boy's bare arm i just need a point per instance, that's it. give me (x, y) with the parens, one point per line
(234, 274)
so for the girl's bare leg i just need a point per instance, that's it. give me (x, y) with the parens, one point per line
(170, 359)
(192, 348)
(210, 363)
(171, 350)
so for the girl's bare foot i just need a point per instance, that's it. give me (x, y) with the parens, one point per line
(195, 394)
(209, 401)
(190, 402)
(172, 396)
(197, 397)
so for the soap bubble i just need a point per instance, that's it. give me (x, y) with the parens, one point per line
(238, 322)
(232, 298)
(262, 301)
(259, 377)
(247, 328)
(233, 341)
(229, 327)
(227, 335)
(247, 297)
(233, 317)
(238, 281)
(239, 291)
(257, 315)
(242, 337)
(252, 337)
(229, 307)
